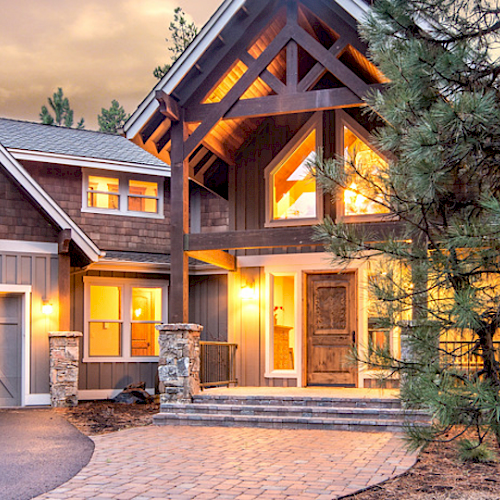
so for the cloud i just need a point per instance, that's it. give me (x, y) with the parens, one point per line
(96, 51)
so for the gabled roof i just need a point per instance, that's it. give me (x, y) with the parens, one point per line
(90, 147)
(34, 191)
(209, 33)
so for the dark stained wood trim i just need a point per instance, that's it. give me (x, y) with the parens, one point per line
(292, 67)
(292, 12)
(278, 237)
(267, 77)
(283, 104)
(163, 140)
(217, 258)
(179, 215)
(196, 87)
(169, 107)
(331, 63)
(318, 70)
(151, 126)
(63, 240)
(239, 88)
(64, 290)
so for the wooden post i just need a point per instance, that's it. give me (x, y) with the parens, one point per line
(64, 284)
(179, 215)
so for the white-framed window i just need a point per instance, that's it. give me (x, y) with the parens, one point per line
(122, 193)
(292, 195)
(121, 317)
(283, 325)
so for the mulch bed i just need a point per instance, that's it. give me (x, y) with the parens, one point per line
(437, 475)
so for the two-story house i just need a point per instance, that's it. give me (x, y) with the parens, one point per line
(264, 85)
(85, 245)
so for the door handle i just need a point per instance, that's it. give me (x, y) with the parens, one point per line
(354, 337)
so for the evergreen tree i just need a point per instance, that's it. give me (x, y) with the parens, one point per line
(440, 130)
(112, 119)
(63, 114)
(182, 34)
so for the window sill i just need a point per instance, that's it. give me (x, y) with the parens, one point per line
(108, 359)
(293, 222)
(356, 219)
(142, 215)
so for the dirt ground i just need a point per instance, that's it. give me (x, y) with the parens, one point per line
(437, 475)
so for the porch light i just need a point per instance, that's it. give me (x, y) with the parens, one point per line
(248, 290)
(47, 307)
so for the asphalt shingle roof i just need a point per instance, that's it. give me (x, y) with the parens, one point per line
(29, 136)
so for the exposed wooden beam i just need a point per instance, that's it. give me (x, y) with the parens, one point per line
(292, 12)
(331, 63)
(239, 88)
(283, 104)
(199, 176)
(318, 70)
(292, 67)
(278, 237)
(163, 140)
(179, 216)
(169, 107)
(217, 258)
(267, 77)
(63, 241)
(151, 126)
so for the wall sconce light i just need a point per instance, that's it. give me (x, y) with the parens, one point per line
(248, 290)
(47, 307)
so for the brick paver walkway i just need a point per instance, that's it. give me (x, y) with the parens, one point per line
(228, 463)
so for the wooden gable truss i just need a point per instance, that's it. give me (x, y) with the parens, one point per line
(273, 58)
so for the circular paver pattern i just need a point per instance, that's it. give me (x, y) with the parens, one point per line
(235, 463)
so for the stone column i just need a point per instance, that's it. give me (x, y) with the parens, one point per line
(179, 362)
(64, 358)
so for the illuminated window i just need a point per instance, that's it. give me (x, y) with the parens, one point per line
(366, 167)
(121, 318)
(283, 327)
(292, 194)
(123, 194)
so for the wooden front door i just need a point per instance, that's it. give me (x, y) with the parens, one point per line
(10, 350)
(331, 326)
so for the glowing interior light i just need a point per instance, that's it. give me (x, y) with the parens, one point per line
(138, 312)
(47, 308)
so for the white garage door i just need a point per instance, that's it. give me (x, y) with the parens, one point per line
(10, 350)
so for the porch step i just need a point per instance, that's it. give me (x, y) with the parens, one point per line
(283, 412)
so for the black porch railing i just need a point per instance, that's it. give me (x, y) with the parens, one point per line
(217, 364)
(464, 355)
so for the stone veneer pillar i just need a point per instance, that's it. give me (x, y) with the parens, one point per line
(179, 362)
(64, 358)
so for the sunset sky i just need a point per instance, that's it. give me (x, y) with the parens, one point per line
(96, 50)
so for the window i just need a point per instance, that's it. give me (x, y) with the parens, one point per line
(282, 328)
(122, 194)
(292, 194)
(121, 316)
(360, 200)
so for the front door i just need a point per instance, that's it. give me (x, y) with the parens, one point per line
(10, 350)
(331, 325)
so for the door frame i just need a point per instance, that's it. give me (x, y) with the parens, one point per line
(24, 293)
(305, 274)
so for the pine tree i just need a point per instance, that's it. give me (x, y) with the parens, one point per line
(63, 114)
(183, 33)
(440, 115)
(112, 119)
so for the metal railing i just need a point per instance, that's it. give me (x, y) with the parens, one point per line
(464, 355)
(217, 364)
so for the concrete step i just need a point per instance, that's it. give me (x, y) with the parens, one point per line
(317, 412)
(274, 422)
(300, 401)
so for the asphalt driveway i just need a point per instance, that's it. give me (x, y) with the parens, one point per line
(39, 451)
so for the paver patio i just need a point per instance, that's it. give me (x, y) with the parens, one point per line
(235, 463)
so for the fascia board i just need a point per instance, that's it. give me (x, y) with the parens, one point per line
(358, 9)
(182, 66)
(47, 204)
(77, 161)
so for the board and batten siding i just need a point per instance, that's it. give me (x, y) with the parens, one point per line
(40, 272)
(208, 307)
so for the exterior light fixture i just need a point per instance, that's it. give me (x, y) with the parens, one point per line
(47, 307)
(248, 290)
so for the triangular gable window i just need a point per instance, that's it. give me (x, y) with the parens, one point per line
(366, 166)
(292, 194)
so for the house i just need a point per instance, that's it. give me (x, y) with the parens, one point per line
(84, 245)
(262, 87)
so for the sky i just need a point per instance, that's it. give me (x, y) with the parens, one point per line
(95, 50)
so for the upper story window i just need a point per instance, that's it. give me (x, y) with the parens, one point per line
(293, 197)
(122, 194)
(363, 197)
